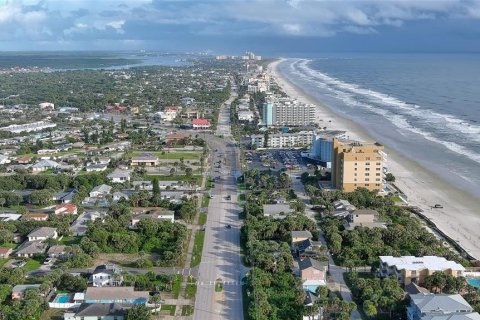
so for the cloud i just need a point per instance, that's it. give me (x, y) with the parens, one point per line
(142, 20)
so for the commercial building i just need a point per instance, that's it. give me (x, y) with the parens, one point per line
(429, 306)
(357, 164)
(201, 124)
(287, 112)
(410, 269)
(283, 140)
(28, 127)
(322, 146)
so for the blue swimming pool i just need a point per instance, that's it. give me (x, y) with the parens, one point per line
(64, 298)
(474, 282)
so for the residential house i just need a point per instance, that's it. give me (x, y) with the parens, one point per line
(363, 218)
(66, 208)
(24, 159)
(19, 290)
(96, 167)
(4, 159)
(277, 211)
(145, 159)
(56, 251)
(35, 216)
(29, 249)
(414, 269)
(175, 137)
(9, 216)
(100, 191)
(116, 294)
(44, 165)
(143, 185)
(119, 176)
(201, 124)
(79, 227)
(309, 301)
(313, 273)
(42, 233)
(107, 275)
(343, 208)
(429, 306)
(153, 213)
(5, 252)
(95, 311)
(65, 196)
(299, 236)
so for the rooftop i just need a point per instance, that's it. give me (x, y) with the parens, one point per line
(102, 309)
(117, 293)
(42, 232)
(418, 263)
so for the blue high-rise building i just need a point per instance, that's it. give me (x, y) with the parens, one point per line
(322, 146)
(267, 113)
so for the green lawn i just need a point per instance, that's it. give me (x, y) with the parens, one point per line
(190, 291)
(202, 218)
(218, 287)
(170, 307)
(197, 249)
(3, 261)
(70, 240)
(205, 201)
(187, 310)
(208, 183)
(177, 285)
(9, 245)
(32, 264)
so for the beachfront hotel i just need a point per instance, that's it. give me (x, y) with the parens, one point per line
(283, 112)
(357, 165)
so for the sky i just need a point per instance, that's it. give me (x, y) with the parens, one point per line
(232, 26)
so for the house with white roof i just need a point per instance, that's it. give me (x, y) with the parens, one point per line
(100, 191)
(410, 269)
(119, 176)
(42, 233)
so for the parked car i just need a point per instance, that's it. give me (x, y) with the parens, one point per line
(18, 264)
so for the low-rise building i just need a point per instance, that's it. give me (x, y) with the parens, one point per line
(66, 208)
(96, 167)
(44, 165)
(119, 176)
(56, 251)
(431, 306)
(414, 269)
(79, 227)
(283, 140)
(363, 218)
(313, 273)
(116, 295)
(277, 211)
(201, 124)
(19, 290)
(35, 216)
(107, 275)
(299, 236)
(29, 249)
(42, 234)
(145, 159)
(5, 252)
(100, 191)
(153, 213)
(104, 311)
(9, 217)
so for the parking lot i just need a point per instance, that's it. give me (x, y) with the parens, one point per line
(276, 160)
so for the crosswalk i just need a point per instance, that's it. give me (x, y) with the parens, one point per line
(212, 283)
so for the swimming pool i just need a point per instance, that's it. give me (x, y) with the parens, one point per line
(62, 298)
(474, 282)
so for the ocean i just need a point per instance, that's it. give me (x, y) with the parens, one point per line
(424, 106)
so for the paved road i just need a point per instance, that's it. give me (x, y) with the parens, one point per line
(221, 251)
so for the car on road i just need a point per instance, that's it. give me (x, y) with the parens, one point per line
(438, 206)
(48, 261)
(228, 197)
(228, 226)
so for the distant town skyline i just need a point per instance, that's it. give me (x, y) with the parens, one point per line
(269, 27)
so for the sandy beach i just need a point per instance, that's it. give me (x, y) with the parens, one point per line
(460, 216)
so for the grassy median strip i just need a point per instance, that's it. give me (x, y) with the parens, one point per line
(191, 288)
(197, 248)
(202, 218)
(187, 310)
(205, 200)
(177, 285)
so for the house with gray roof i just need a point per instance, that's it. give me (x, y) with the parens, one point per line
(100, 191)
(119, 176)
(44, 165)
(29, 249)
(19, 290)
(42, 233)
(87, 311)
(145, 159)
(277, 211)
(429, 306)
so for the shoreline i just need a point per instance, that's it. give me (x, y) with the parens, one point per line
(458, 219)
